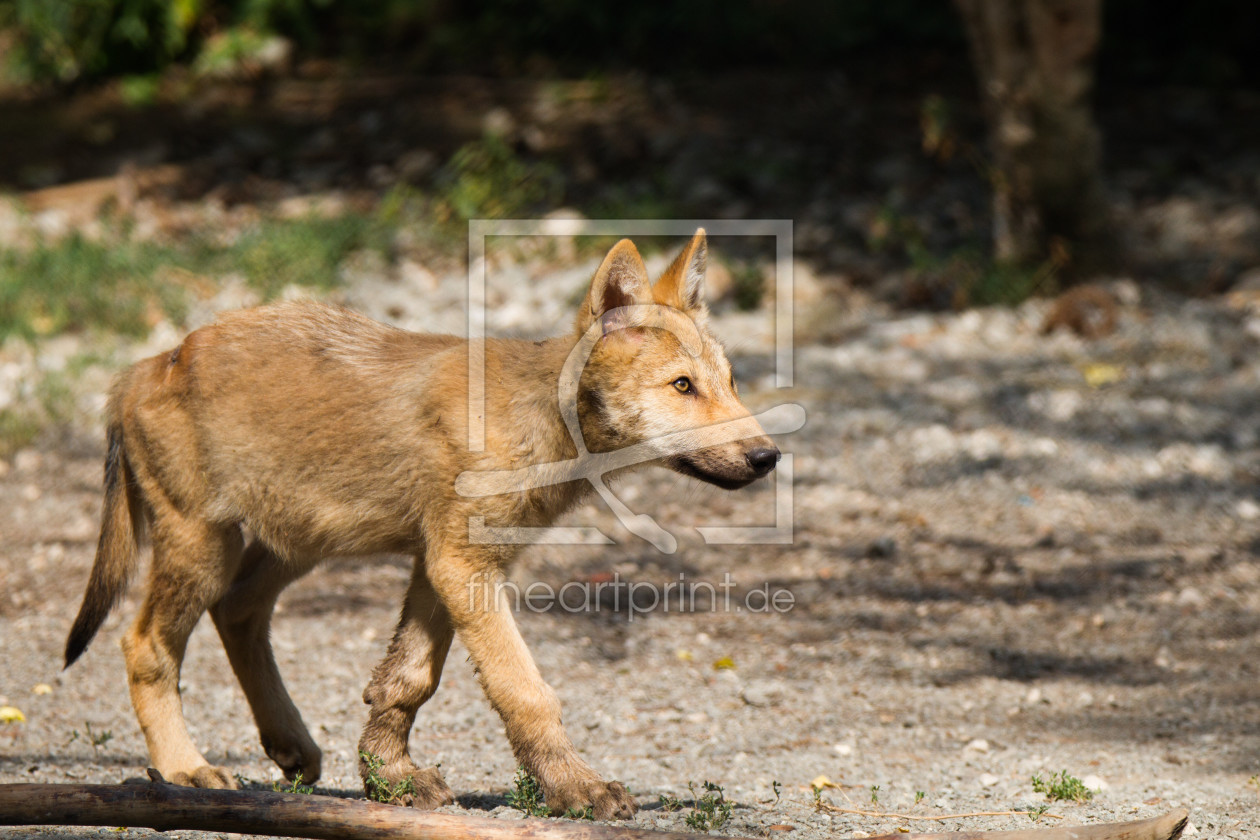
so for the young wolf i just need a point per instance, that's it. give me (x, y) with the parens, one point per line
(282, 435)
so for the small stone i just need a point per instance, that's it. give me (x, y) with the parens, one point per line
(1191, 597)
(843, 749)
(1189, 830)
(988, 780)
(1033, 697)
(761, 693)
(1094, 783)
(1246, 509)
(28, 461)
(882, 548)
(979, 745)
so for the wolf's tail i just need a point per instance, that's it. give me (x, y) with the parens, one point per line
(117, 552)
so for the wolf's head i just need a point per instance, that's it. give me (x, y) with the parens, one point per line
(656, 371)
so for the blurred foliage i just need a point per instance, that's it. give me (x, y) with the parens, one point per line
(63, 41)
(486, 179)
(76, 284)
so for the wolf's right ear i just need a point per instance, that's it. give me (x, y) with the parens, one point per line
(622, 280)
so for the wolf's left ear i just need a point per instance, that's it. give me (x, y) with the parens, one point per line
(620, 282)
(682, 284)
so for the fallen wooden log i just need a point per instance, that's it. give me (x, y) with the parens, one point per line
(166, 807)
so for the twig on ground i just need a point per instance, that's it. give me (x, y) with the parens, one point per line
(865, 813)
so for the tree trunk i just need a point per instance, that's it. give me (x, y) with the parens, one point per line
(1034, 61)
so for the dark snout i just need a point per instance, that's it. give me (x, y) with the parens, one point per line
(763, 459)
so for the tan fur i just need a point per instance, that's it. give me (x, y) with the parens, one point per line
(319, 432)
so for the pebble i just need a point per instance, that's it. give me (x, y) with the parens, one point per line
(979, 745)
(761, 693)
(27, 461)
(988, 780)
(1191, 597)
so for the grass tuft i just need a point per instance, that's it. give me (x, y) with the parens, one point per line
(710, 809)
(1062, 787)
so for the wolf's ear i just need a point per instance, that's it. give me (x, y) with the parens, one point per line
(682, 284)
(621, 280)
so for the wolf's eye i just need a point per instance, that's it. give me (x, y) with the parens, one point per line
(683, 384)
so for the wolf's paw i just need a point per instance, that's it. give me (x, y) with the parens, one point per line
(296, 755)
(217, 778)
(607, 800)
(403, 783)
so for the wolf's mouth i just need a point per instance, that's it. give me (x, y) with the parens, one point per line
(686, 466)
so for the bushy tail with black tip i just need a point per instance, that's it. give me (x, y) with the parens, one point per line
(117, 552)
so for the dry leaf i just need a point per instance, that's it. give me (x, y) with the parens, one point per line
(1098, 374)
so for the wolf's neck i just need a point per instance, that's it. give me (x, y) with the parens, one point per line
(523, 420)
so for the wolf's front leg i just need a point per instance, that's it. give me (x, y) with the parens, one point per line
(400, 685)
(530, 710)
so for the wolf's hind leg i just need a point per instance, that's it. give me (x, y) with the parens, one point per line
(193, 563)
(404, 680)
(243, 618)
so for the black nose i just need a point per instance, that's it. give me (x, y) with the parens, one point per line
(763, 458)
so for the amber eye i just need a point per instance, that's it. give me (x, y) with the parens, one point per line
(683, 384)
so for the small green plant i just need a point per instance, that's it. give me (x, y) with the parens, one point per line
(381, 789)
(1254, 782)
(818, 803)
(1037, 813)
(669, 804)
(526, 795)
(710, 809)
(919, 796)
(96, 739)
(874, 794)
(587, 813)
(295, 787)
(1062, 787)
(776, 787)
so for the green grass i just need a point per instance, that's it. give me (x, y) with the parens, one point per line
(710, 809)
(1062, 787)
(295, 787)
(75, 284)
(381, 789)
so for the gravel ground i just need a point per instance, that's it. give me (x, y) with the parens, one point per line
(1013, 554)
